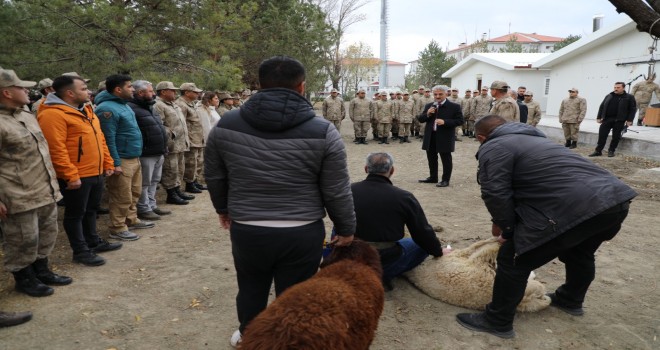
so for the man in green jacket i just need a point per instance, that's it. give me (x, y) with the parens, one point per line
(124, 140)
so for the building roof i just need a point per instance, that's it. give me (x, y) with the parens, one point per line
(506, 61)
(587, 42)
(526, 38)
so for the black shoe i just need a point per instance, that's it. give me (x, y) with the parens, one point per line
(402, 139)
(162, 212)
(442, 184)
(573, 145)
(46, 276)
(88, 258)
(478, 323)
(183, 195)
(200, 186)
(382, 141)
(568, 143)
(639, 122)
(173, 198)
(27, 282)
(558, 303)
(596, 154)
(386, 141)
(191, 188)
(428, 180)
(363, 141)
(103, 211)
(8, 319)
(105, 246)
(610, 154)
(356, 140)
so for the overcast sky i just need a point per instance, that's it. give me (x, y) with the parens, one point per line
(414, 23)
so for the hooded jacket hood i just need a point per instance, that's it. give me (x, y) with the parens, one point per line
(53, 99)
(276, 109)
(104, 96)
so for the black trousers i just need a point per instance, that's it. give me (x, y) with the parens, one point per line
(432, 158)
(262, 254)
(604, 130)
(80, 209)
(575, 248)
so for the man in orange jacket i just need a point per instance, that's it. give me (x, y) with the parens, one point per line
(80, 157)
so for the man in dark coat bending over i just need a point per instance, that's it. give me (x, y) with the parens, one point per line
(382, 210)
(545, 202)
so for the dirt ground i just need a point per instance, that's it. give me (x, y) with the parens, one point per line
(175, 287)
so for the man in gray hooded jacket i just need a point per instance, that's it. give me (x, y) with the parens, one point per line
(273, 170)
(545, 202)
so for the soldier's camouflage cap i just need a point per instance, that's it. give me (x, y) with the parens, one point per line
(166, 85)
(499, 85)
(189, 87)
(44, 83)
(9, 78)
(74, 74)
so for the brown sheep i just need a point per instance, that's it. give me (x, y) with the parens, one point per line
(466, 276)
(338, 308)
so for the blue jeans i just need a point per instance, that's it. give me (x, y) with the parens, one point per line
(411, 256)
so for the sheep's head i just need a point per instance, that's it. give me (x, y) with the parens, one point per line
(358, 251)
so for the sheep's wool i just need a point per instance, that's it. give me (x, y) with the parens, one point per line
(466, 276)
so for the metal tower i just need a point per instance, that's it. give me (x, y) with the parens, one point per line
(383, 81)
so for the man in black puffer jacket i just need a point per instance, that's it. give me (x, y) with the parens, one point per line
(154, 146)
(273, 169)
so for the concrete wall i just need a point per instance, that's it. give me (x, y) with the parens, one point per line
(533, 80)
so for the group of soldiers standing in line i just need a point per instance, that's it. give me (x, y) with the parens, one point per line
(72, 144)
(397, 115)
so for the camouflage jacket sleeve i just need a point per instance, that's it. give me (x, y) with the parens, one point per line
(583, 109)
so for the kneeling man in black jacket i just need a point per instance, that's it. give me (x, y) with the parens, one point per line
(382, 210)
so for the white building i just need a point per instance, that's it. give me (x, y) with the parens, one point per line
(595, 62)
(531, 43)
(481, 69)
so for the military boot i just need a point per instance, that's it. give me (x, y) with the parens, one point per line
(183, 195)
(382, 141)
(568, 143)
(385, 140)
(27, 282)
(191, 188)
(573, 145)
(45, 275)
(356, 140)
(402, 139)
(173, 198)
(363, 140)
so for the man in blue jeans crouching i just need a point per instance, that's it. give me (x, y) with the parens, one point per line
(382, 210)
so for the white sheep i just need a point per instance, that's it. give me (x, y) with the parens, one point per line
(466, 276)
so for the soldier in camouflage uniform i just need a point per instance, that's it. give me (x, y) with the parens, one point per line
(417, 95)
(504, 105)
(453, 97)
(177, 142)
(480, 107)
(533, 109)
(643, 92)
(384, 112)
(398, 97)
(405, 114)
(194, 156)
(360, 112)
(45, 86)
(571, 113)
(334, 109)
(422, 102)
(374, 122)
(465, 106)
(226, 103)
(28, 192)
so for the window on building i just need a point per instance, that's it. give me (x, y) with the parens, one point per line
(546, 85)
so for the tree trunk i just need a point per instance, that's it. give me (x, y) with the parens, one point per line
(641, 12)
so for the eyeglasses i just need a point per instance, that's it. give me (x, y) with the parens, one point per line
(571, 91)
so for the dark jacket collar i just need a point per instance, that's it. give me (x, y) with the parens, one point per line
(378, 178)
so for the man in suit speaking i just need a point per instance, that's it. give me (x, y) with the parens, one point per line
(441, 118)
